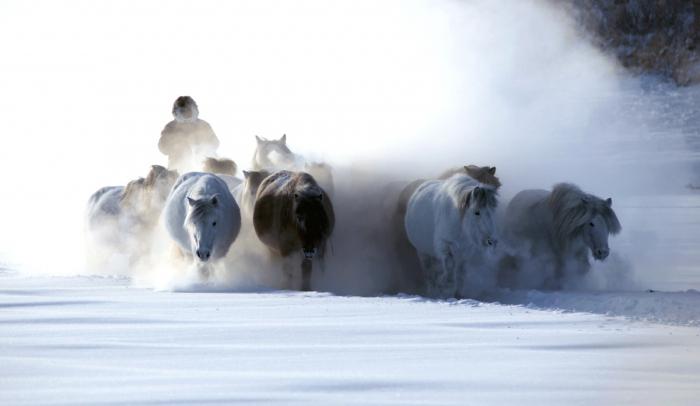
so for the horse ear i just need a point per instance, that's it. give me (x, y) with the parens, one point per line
(258, 139)
(191, 201)
(492, 170)
(608, 202)
(283, 140)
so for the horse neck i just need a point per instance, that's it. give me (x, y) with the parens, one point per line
(569, 243)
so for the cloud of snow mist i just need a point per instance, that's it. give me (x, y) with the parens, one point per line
(383, 91)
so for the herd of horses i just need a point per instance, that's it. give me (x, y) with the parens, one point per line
(449, 222)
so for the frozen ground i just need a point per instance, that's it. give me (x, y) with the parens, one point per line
(102, 341)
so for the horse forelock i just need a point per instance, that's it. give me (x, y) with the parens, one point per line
(199, 211)
(611, 220)
(572, 209)
(462, 188)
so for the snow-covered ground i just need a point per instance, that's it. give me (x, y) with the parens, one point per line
(102, 341)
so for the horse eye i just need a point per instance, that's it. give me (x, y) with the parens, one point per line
(591, 224)
(478, 213)
(213, 224)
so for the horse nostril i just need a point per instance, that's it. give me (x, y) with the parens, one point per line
(208, 255)
(199, 255)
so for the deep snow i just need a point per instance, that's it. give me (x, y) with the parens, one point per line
(102, 341)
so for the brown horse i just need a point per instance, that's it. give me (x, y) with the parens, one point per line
(222, 166)
(293, 214)
(482, 174)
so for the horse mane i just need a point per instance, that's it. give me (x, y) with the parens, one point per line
(131, 190)
(481, 174)
(156, 172)
(220, 165)
(200, 209)
(467, 191)
(572, 209)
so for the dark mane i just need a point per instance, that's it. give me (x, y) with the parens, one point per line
(469, 192)
(572, 209)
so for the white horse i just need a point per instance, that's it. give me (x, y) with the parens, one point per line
(120, 218)
(450, 221)
(202, 217)
(274, 155)
(551, 234)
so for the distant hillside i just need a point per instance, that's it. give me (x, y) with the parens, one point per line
(647, 36)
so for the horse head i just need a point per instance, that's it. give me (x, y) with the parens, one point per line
(202, 225)
(253, 179)
(483, 174)
(311, 216)
(582, 217)
(273, 154)
(600, 225)
(478, 208)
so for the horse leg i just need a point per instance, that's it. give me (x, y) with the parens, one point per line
(306, 274)
(447, 277)
(288, 271)
(507, 273)
(430, 281)
(459, 278)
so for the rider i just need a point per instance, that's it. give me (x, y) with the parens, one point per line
(187, 140)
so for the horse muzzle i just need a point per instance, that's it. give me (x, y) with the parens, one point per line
(203, 255)
(601, 253)
(309, 254)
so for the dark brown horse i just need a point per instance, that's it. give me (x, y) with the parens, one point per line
(293, 214)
